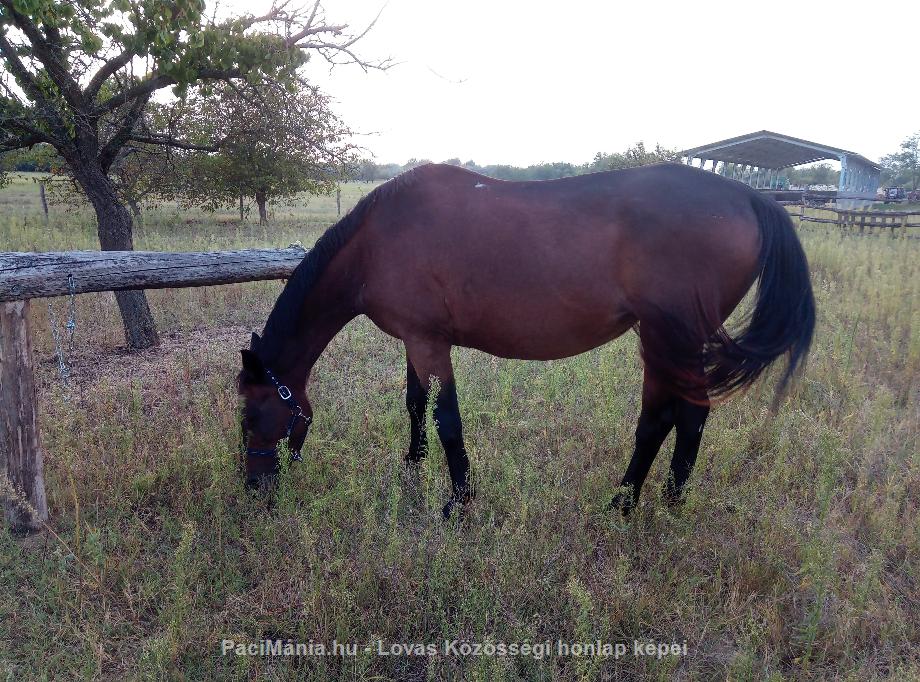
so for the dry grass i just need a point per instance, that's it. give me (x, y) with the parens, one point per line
(795, 557)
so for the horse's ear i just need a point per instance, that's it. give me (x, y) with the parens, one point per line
(252, 365)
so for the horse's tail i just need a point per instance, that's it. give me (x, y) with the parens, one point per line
(783, 318)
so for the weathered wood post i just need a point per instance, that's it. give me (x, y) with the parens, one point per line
(24, 276)
(22, 482)
(44, 199)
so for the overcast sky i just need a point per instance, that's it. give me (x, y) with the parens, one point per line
(523, 82)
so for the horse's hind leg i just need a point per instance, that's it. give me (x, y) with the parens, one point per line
(659, 410)
(432, 359)
(691, 417)
(416, 404)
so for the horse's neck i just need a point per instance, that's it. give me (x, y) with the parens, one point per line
(327, 308)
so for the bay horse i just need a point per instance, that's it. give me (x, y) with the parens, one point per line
(441, 256)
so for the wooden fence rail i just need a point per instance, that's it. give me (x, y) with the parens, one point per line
(37, 275)
(24, 276)
(857, 220)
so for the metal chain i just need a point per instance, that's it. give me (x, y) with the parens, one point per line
(72, 321)
(63, 370)
(71, 327)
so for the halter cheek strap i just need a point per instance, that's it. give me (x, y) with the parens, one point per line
(296, 413)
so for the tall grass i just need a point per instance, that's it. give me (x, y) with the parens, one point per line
(794, 558)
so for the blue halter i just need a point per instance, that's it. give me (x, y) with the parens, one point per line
(296, 413)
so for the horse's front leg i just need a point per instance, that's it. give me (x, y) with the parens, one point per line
(450, 431)
(431, 360)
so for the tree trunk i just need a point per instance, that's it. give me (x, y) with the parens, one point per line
(241, 207)
(260, 200)
(114, 228)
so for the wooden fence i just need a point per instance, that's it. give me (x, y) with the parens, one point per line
(857, 221)
(24, 276)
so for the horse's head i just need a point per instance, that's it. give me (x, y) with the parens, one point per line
(271, 411)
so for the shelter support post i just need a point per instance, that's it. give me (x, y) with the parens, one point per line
(22, 482)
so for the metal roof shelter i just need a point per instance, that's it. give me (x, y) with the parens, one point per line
(757, 158)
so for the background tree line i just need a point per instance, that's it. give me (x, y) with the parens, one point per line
(901, 168)
(367, 170)
(276, 155)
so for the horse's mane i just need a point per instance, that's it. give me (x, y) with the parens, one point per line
(284, 317)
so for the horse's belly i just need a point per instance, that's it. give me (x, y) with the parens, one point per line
(546, 334)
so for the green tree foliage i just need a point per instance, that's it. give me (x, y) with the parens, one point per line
(637, 155)
(902, 168)
(817, 174)
(80, 76)
(38, 159)
(273, 141)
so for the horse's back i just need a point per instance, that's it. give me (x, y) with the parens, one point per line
(552, 268)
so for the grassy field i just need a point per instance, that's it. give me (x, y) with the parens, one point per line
(796, 556)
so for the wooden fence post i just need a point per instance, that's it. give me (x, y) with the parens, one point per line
(22, 482)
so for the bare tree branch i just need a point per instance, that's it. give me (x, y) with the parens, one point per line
(292, 40)
(107, 69)
(167, 141)
(22, 142)
(276, 12)
(158, 82)
(123, 134)
(145, 87)
(27, 80)
(50, 55)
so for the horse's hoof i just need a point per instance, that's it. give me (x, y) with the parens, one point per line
(623, 503)
(412, 460)
(456, 505)
(261, 483)
(673, 498)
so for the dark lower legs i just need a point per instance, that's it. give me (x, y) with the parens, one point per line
(424, 362)
(662, 411)
(450, 431)
(655, 423)
(416, 403)
(689, 425)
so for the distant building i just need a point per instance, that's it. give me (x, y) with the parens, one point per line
(758, 158)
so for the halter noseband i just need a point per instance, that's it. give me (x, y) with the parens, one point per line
(296, 413)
